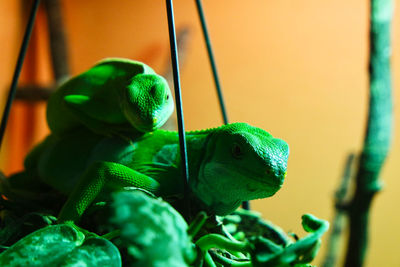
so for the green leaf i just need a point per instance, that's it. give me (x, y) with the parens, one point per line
(92, 253)
(264, 249)
(42, 247)
(299, 253)
(16, 228)
(253, 225)
(311, 223)
(152, 232)
(61, 245)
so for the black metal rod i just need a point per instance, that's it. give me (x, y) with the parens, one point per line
(246, 205)
(178, 100)
(212, 60)
(18, 67)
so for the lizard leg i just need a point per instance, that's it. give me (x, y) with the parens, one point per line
(98, 176)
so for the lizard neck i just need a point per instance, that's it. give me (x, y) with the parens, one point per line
(196, 150)
(197, 143)
(197, 146)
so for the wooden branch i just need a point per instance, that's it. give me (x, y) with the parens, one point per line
(57, 36)
(33, 93)
(182, 39)
(378, 133)
(58, 51)
(339, 222)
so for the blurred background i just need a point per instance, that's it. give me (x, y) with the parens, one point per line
(297, 69)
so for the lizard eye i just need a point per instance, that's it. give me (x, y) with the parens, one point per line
(167, 97)
(237, 151)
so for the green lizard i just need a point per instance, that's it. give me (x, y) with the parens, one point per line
(111, 97)
(227, 165)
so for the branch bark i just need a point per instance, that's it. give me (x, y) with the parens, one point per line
(378, 133)
(58, 39)
(339, 221)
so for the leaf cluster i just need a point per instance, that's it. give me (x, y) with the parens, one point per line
(142, 230)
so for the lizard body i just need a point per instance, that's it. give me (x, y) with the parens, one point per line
(115, 95)
(227, 165)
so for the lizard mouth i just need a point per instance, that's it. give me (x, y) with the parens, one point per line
(221, 189)
(262, 178)
(152, 124)
(157, 119)
(149, 120)
(237, 182)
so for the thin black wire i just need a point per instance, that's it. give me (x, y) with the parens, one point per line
(245, 204)
(18, 68)
(178, 100)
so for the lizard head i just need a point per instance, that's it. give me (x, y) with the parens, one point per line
(147, 102)
(241, 163)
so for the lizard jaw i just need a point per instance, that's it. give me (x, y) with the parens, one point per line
(222, 189)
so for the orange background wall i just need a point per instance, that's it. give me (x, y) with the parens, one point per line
(295, 68)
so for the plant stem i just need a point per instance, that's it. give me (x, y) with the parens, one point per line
(111, 235)
(209, 241)
(378, 133)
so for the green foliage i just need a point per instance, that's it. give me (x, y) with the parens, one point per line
(60, 245)
(14, 228)
(266, 253)
(38, 247)
(152, 232)
(245, 224)
(268, 245)
(93, 252)
(148, 232)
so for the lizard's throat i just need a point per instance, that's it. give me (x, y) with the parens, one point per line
(222, 189)
(215, 199)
